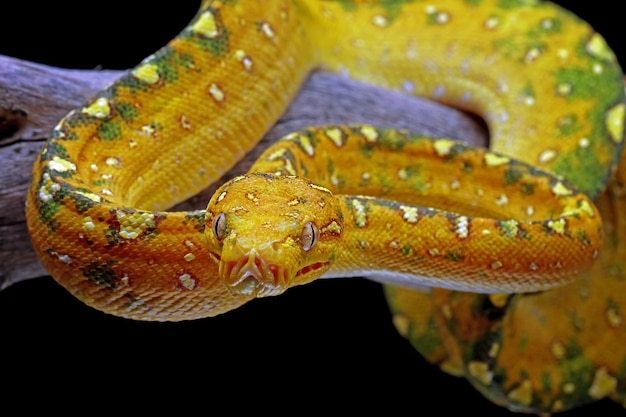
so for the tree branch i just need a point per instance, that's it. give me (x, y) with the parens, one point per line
(34, 97)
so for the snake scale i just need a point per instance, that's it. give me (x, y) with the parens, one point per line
(494, 234)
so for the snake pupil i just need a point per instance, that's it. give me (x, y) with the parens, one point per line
(219, 226)
(309, 236)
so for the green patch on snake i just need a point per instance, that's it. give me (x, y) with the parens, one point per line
(392, 8)
(577, 373)
(54, 149)
(512, 175)
(584, 169)
(126, 110)
(455, 255)
(567, 125)
(546, 381)
(514, 4)
(548, 26)
(101, 274)
(47, 213)
(217, 46)
(79, 119)
(110, 130)
(196, 218)
(583, 238)
(527, 188)
(428, 340)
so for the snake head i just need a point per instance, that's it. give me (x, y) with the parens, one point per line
(270, 232)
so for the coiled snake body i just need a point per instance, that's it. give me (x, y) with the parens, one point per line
(354, 200)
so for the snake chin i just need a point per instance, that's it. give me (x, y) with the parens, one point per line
(252, 275)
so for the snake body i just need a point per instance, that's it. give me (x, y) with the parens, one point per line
(344, 200)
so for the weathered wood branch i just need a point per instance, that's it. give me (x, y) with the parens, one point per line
(34, 97)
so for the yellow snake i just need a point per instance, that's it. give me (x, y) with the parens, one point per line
(349, 200)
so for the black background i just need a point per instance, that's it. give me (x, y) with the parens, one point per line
(328, 346)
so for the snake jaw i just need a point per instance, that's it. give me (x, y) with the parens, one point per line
(252, 275)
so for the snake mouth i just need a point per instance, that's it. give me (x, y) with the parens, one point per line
(252, 275)
(317, 266)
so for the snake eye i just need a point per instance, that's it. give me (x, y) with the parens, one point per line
(219, 226)
(309, 236)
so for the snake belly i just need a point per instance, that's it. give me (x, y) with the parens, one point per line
(547, 85)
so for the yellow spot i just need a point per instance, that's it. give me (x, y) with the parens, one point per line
(245, 60)
(148, 130)
(558, 350)
(61, 165)
(491, 23)
(288, 166)
(585, 207)
(523, 394)
(134, 223)
(499, 299)
(502, 200)
(532, 55)
(615, 122)
(335, 135)
(494, 349)
(148, 73)
(443, 146)
(320, 188)
(370, 133)
(433, 252)
(402, 323)
(613, 317)
(189, 257)
(277, 154)
(496, 265)
(267, 30)
(206, 25)
(560, 190)
(569, 388)
(221, 196)
(380, 21)
(557, 226)
(510, 228)
(597, 47)
(184, 122)
(547, 156)
(113, 162)
(446, 311)
(48, 189)
(91, 196)
(252, 197)
(88, 224)
(603, 384)
(359, 213)
(409, 213)
(564, 89)
(462, 226)
(597, 68)
(216, 92)
(493, 160)
(403, 174)
(332, 227)
(99, 108)
(293, 202)
(306, 144)
(480, 371)
(187, 281)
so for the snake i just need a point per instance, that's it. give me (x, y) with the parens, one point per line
(461, 237)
